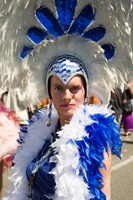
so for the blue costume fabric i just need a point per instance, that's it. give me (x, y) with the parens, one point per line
(44, 184)
(91, 148)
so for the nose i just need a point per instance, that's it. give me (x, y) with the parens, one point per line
(67, 95)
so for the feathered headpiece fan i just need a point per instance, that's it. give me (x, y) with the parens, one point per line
(34, 32)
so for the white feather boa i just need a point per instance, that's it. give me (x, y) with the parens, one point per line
(38, 132)
(74, 187)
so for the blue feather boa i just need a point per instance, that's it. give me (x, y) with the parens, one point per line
(103, 133)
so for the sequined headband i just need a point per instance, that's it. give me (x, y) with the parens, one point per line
(65, 67)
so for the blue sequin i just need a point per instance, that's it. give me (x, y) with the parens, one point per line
(95, 34)
(36, 34)
(47, 19)
(109, 50)
(26, 51)
(56, 65)
(66, 11)
(84, 19)
(65, 69)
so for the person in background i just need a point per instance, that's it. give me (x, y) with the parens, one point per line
(1, 177)
(116, 103)
(15, 100)
(127, 118)
(9, 129)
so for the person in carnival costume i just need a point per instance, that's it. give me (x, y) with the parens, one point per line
(9, 128)
(68, 50)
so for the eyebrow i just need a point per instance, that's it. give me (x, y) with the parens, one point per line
(57, 84)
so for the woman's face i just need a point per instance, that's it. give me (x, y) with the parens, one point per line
(66, 98)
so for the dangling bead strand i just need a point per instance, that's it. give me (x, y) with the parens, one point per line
(48, 123)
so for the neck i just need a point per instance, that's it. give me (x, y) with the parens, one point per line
(64, 120)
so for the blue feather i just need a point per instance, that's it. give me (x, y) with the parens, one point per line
(109, 50)
(26, 51)
(84, 19)
(22, 134)
(36, 34)
(95, 34)
(66, 11)
(101, 132)
(48, 21)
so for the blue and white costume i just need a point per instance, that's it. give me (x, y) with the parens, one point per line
(64, 38)
(82, 143)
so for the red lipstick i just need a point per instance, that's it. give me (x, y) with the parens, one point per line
(67, 105)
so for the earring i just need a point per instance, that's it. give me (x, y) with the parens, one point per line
(48, 123)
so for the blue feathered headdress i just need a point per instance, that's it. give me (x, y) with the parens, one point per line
(34, 33)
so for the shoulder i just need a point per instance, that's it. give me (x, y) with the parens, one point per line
(32, 137)
(101, 127)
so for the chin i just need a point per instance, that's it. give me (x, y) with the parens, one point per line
(70, 113)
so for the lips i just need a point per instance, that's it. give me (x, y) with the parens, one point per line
(67, 105)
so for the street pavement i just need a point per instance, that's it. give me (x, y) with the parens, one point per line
(122, 172)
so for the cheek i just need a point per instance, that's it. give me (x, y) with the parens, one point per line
(80, 98)
(55, 98)
(55, 101)
(82, 94)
